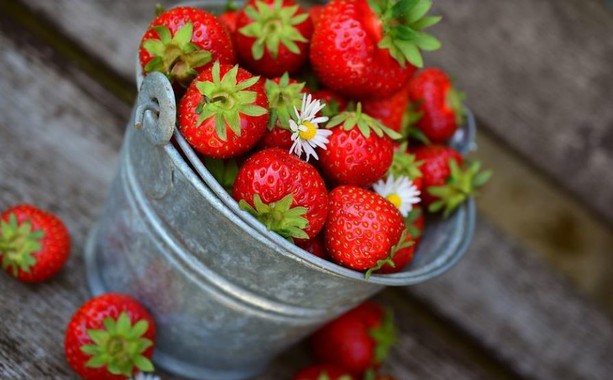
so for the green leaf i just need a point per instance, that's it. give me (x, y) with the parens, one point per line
(426, 22)
(97, 361)
(482, 178)
(154, 47)
(99, 337)
(220, 127)
(143, 364)
(427, 42)
(184, 35)
(401, 8)
(90, 349)
(253, 110)
(419, 11)
(164, 33)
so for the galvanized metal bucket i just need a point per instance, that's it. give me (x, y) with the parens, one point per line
(227, 295)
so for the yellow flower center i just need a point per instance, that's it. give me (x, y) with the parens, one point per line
(395, 199)
(310, 132)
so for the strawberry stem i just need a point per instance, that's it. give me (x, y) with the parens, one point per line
(279, 216)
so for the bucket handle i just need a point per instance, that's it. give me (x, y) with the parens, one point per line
(156, 110)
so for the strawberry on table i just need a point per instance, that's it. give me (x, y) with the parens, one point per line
(358, 340)
(273, 36)
(368, 48)
(447, 181)
(438, 104)
(364, 230)
(224, 112)
(110, 337)
(360, 149)
(285, 193)
(34, 244)
(323, 372)
(182, 42)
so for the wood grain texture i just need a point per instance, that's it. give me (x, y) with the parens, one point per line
(537, 72)
(58, 149)
(531, 318)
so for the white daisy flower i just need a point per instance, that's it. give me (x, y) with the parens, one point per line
(401, 192)
(145, 376)
(306, 134)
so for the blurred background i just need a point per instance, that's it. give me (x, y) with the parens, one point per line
(533, 298)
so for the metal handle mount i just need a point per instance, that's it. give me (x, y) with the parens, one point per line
(156, 109)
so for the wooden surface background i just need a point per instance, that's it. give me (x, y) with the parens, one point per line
(533, 297)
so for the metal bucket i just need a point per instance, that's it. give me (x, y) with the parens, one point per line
(227, 295)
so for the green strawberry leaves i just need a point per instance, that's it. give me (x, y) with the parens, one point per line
(175, 56)
(225, 99)
(461, 184)
(384, 336)
(364, 122)
(224, 171)
(403, 25)
(403, 242)
(279, 216)
(119, 346)
(455, 100)
(18, 244)
(282, 98)
(272, 26)
(404, 164)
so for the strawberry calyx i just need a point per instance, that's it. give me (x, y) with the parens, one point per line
(384, 336)
(404, 164)
(455, 100)
(279, 216)
(409, 222)
(283, 97)
(225, 99)
(119, 346)
(224, 171)
(272, 26)
(18, 244)
(389, 260)
(403, 24)
(409, 121)
(461, 184)
(364, 122)
(175, 56)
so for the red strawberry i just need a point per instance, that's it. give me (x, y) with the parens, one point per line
(366, 49)
(438, 103)
(110, 337)
(358, 340)
(316, 246)
(182, 42)
(283, 95)
(224, 111)
(285, 193)
(34, 244)
(323, 372)
(314, 12)
(363, 228)
(447, 183)
(390, 111)
(273, 36)
(359, 151)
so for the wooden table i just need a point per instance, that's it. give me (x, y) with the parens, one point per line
(531, 300)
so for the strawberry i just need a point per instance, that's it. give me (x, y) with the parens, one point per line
(447, 181)
(110, 337)
(273, 36)
(390, 111)
(285, 193)
(323, 372)
(314, 12)
(363, 229)
(315, 245)
(359, 151)
(224, 111)
(34, 244)
(368, 48)
(358, 340)
(182, 42)
(284, 94)
(438, 103)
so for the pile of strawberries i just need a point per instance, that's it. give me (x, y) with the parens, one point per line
(317, 122)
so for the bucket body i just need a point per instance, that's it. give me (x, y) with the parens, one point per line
(226, 294)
